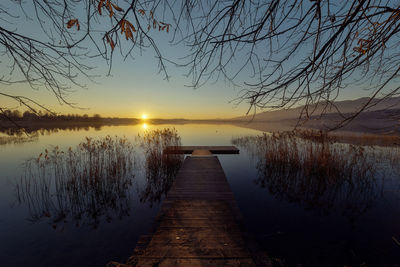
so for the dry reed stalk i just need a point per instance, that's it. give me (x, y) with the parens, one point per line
(313, 169)
(161, 168)
(85, 184)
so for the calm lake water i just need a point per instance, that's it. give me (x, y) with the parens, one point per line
(352, 225)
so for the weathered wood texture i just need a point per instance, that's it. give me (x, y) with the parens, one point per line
(198, 224)
(212, 149)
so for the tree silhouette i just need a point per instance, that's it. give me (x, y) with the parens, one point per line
(281, 52)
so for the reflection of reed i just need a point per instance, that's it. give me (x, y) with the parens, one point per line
(91, 183)
(161, 168)
(18, 139)
(315, 172)
(84, 185)
(47, 129)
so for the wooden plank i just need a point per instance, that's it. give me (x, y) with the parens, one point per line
(212, 149)
(194, 262)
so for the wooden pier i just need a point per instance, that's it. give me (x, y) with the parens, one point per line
(212, 149)
(199, 223)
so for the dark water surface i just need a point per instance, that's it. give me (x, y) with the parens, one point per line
(353, 225)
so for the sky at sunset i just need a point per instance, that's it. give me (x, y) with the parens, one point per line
(135, 87)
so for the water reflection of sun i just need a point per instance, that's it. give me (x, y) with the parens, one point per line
(145, 126)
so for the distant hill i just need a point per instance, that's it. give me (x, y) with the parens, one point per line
(346, 107)
(382, 117)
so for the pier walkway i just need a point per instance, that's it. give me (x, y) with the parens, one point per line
(199, 223)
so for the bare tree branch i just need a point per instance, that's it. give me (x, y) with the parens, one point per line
(280, 52)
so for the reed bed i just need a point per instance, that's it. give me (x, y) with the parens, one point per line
(161, 168)
(361, 139)
(91, 183)
(383, 149)
(85, 185)
(316, 156)
(311, 168)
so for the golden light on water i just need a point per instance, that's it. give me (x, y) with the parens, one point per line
(145, 126)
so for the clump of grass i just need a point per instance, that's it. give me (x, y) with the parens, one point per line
(362, 139)
(314, 156)
(314, 136)
(374, 139)
(84, 184)
(312, 169)
(161, 168)
(382, 148)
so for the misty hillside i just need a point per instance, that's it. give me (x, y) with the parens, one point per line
(347, 106)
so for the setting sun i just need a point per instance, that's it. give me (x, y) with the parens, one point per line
(144, 117)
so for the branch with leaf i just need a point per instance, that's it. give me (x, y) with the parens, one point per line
(279, 53)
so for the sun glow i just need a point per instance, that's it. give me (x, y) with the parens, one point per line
(144, 116)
